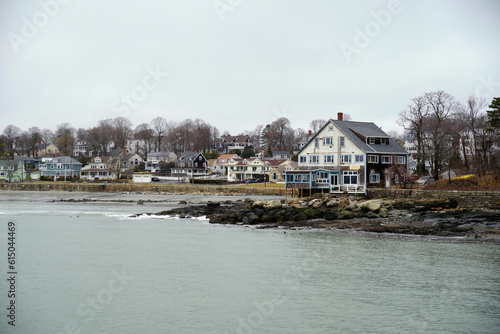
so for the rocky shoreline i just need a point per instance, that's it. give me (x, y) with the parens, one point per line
(406, 217)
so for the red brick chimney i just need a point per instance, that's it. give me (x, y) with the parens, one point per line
(124, 151)
(310, 133)
(340, 116)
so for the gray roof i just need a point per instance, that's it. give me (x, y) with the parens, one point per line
(63, 160)
(159, 154)
(130, 155)
(367, 129)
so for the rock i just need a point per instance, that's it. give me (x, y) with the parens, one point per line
(257, 204)
(213, 204)
(383, 212)
(332, 203)
(273, 205)
(183, 202)
(371, 214)
(371, 205)
(140, 202)
(343, 203)
(314, 202)
(299, 216)
(346, 215)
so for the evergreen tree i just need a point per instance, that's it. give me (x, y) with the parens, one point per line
(494, 113)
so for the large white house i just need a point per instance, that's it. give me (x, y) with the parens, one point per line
(348, 156)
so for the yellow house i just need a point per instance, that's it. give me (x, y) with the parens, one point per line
(43, 150)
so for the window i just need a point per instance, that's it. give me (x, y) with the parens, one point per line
(103, 174)
(330, 128)
(305, 178)
(371, 141)
(314, 159)
(302, 159)
(386, 159)
(373, 159)
(342, 141)
(328, 159)
(374, 178)
(298, 178)
(289, 178)
(359, 158)
(345, 158)
(384, 141)
(400, 160)
(328, 141)
(350, 177)
(275, 176)
(254, 169)
(316, 142)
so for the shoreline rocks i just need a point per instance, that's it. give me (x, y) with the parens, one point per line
(438, 217)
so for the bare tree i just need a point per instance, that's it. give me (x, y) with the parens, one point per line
(160, 131)
(34, 137)
(144, 133)
(441, 106)
(122, 131)
(255, 137)
(412, 119)
(12, 134)
(100, 137)
(65, 138)
(471, 119)
(316, 125)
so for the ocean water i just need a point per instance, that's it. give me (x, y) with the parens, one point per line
(89, 268)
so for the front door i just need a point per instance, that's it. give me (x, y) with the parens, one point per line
(334, 181)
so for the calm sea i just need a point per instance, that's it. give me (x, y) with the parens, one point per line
(88, 268)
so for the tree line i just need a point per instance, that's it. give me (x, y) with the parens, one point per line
(449, 133)
(157, 135)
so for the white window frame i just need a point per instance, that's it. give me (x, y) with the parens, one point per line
(303, 159)
(316, 142)
(371, 141)
(400, 160)
(385, 157)
(342, 141)
(350, 174)
(383, 141)
(346, 158)
(330, 157)
(327, 141)
(314, 157)
(359, 158)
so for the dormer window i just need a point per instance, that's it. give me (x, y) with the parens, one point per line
(371, 141)
(384, 141)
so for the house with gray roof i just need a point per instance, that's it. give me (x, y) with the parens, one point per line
(155, 158)
(347, 156)
(61, 166)
(191, 164)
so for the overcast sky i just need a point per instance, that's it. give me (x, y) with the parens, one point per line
(239, 63)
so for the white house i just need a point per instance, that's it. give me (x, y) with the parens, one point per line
(154, 159)
(348, 156)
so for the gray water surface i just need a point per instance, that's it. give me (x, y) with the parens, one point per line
(88, 268)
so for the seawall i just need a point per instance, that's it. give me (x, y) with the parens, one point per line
(146, 187)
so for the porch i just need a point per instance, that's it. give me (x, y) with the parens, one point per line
(325, 180)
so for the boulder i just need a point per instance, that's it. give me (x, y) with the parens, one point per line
(273, 205)
(333, 203)
(258, 204)
(343, 203)
(371, 205)
(315, 203)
